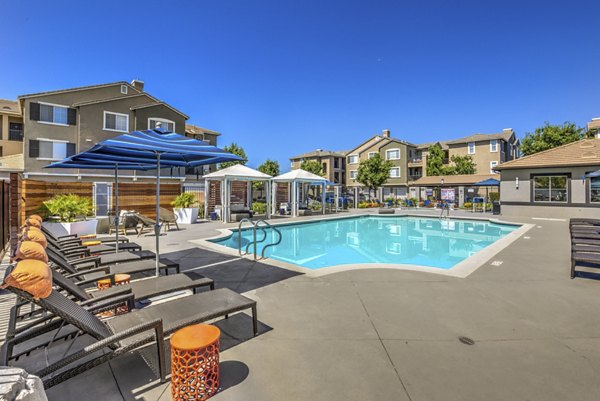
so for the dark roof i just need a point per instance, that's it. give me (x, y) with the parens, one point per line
(195, 129)
(80, 88)
(319, 153)
(505, 135)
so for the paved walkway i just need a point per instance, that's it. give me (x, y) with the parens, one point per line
(391, 335)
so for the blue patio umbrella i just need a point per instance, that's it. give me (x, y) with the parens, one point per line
(490, 182)
(154, 147)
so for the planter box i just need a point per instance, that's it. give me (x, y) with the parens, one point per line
(187, 215)
(86, 227)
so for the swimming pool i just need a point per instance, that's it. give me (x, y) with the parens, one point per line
(379, 240)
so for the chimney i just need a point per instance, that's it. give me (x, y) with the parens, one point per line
(386, 133)
(137, 84)
(507, 129)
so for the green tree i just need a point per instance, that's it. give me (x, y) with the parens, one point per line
(236, 150)
(435, 161)
(462, 165)
(270, 167)
(374, 172)
(312, 166)
(550, 136)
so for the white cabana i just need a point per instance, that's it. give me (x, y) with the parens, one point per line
(295, 177)
(226, 176)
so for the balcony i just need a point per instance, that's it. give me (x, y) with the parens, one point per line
(415, 162)
(15, 132)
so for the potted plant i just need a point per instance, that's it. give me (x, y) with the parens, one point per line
(67, 214)
(185, 208)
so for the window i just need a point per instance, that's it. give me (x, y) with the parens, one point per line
(166, 125)
(493, 145)
(116, 122)
(53, 114)
(371, 154)
(102, 198)
(324, 168)
(124, 89)
(395, 172)
(550, 188)
(595, 190)
(353, 174)
(392, 154)
(15, 132)
(471, 149)
(48, 149)
(492, 166)
(353, 159)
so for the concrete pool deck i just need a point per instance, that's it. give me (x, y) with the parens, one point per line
(382, 334)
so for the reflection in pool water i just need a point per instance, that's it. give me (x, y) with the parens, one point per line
(370, 239)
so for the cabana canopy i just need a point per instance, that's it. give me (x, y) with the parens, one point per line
(593, 174)
(490, 182)
(237, 172)
(300, 175)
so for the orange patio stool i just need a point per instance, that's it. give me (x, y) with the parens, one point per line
(195, 362)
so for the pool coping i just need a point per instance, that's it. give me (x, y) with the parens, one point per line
(461, 270)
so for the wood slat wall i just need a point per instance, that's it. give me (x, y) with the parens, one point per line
(140, 197)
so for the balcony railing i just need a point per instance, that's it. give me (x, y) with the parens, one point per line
(416, 160)
(15, 132)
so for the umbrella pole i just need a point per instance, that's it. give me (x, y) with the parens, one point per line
(117, 206)
(157, 225)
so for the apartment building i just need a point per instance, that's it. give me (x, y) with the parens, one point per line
(486, 150)
(392, 149)
(333, 163)
(45, 127)
(11, 128)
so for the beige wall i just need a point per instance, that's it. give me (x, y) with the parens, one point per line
(519, 201)
(482, 157)
(380, 147)
(328, 161)
(9, 147)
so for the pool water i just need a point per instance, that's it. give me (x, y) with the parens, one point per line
(371, 239)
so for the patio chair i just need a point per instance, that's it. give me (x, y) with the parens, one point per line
(120, 334)
(86, 273)
(66, 239)
(144, 223)
(126, 222)
(78, 247)
(588, 256)
(167, 217)
(81, 254)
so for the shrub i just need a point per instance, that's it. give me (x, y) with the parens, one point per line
(67, 207)
(494, 196)
(259, 207)
(314, 206)
(184, 200)
(468, 205)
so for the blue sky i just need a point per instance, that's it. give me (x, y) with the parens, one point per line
(285, 77)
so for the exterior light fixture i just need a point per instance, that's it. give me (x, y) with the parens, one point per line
(517, 183)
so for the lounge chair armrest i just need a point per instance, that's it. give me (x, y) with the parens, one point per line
(67, 236)
(111, 303)
(154, 325)
(69, 242)
(101, 298)
(87, 259)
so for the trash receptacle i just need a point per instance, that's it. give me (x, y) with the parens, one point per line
(495, 207)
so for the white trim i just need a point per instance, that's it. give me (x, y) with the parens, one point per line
(495, 143)
(124, 92)
(117, 114)
(53, 104)
(399, 172)
(51, 123)
(51, 140)
(371, 154)
(161, 120)
(353, 155)
(393, 150)
(493, 164)
(469, 148)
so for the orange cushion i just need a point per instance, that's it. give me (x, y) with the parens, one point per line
(33, 223)
(37, 217)
(32, 276)
(35, 236)
(31, 250)
(91, 243)
(87, 236)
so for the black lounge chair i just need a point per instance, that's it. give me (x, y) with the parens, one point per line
(75, 238)
(82, 254)
(87, 273)
(590, 258)
(120, 334)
